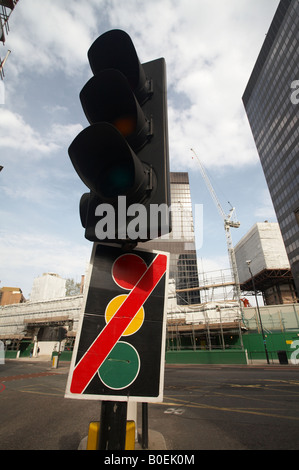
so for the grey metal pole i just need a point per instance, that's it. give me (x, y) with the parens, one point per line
(259, 314)
(113, 425)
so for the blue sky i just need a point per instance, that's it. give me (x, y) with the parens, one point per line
(210, 49)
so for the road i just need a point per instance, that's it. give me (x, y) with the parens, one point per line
(229, 408)
(204, 408)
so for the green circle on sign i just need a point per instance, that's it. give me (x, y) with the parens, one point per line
(121, 367)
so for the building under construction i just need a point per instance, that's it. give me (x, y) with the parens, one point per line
(47, 325)
(263, 265)
(216, 323)
(51, 325)
(222, 318)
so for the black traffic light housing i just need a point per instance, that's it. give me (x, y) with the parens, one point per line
(124, 151)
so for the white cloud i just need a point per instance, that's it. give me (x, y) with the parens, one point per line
(52, 35)
(44, 253)
(206, 47)
(16, 134)
(210, 49)
(265, 211)
(64, 133)
(208, 266)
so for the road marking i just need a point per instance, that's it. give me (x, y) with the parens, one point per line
(174, 411)
(231, 410)
(42, 393)
(27, 376)
(245, 386)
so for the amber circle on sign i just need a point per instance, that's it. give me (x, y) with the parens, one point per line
(112, 308)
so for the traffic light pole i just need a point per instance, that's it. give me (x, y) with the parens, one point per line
(123, 155)
(113, 424)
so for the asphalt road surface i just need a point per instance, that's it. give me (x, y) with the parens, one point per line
(204, 408)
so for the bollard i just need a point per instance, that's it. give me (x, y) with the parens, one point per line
(55, 360)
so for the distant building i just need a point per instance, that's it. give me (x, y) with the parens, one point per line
(48, 286)
(180, 243)
(272, 106)
(263, 246)
(42, 324)
(11, 295)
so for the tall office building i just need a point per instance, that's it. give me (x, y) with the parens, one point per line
(272, 106)
(180, 243)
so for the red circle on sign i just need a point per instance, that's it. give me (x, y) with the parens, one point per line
(127, 270)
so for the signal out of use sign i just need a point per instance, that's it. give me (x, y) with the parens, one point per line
(119, 351)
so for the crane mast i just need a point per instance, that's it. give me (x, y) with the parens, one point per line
(228, 223)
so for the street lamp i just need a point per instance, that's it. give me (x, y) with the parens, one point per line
(258, 309)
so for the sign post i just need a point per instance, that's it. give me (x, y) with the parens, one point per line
(112, 434)
(119, 351)
(123, 159)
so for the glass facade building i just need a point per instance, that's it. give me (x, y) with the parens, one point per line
(180, 243)
(273, 113)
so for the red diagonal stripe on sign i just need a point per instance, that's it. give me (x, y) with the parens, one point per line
(89, 364)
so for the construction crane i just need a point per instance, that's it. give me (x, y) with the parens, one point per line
(2, 63)
(228, 223)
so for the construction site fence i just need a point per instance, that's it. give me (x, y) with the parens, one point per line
(206, 357)
(275, 342)
(276, 320)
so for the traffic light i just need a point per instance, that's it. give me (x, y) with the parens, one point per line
(4, 17)
(122, 157)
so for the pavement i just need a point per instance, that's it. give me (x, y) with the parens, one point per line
(156, 441)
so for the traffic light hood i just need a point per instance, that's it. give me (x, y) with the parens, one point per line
(106, 163)
(115, 50)
(124, 151)
(108, 97)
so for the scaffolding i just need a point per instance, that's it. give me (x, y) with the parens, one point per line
(215, 323)
(20, 320)
(275, 318)
(218, 323)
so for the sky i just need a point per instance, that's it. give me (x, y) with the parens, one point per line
(210, 50)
